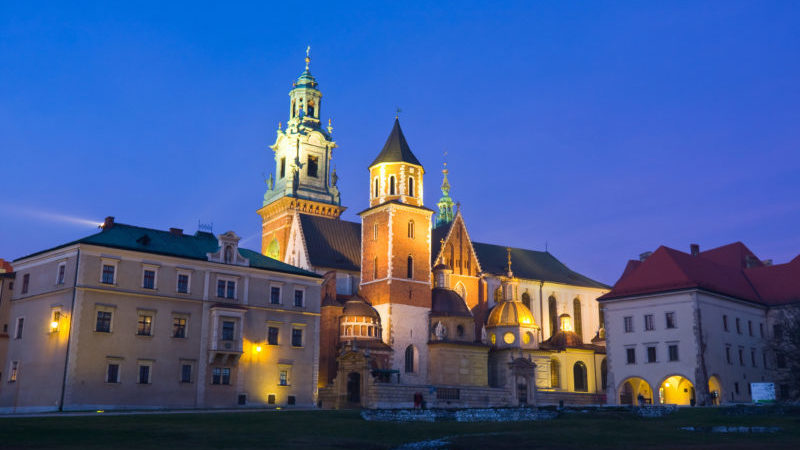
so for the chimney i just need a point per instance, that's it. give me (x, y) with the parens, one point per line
(108, 223)
(176, 231)
(695, 249)
(751, 261)
(767, 262)
(644, 256)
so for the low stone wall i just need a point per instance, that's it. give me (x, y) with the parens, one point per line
(383, 396)
(462, 415)
(655, 411)
(569, 398)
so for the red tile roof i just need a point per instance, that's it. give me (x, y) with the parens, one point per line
(723, 270)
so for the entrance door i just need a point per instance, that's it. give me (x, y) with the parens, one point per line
(522, 390)
(354, 388)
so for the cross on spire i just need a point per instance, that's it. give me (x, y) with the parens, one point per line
(308, 56)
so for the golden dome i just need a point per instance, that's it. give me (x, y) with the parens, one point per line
(510, 313)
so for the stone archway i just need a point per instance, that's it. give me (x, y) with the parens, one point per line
(676, 390)
(715, 390)
(632, 388)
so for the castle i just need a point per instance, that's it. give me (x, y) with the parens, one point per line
(411, 304)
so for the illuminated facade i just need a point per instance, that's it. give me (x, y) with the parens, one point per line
(137, 318)
(431, 293)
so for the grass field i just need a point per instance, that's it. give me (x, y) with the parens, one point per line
(346, 429)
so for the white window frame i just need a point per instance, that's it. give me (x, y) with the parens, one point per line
(227, 279)
(118, 362)
(302, 328)
(153, 268)
(288, 369)
(176, 315)
(104, 308)
(146, 312)
(649, 322)
(109, 262)
(59, 280)
(148, 363)
(280, 293)
(294, 296)
(188, 274)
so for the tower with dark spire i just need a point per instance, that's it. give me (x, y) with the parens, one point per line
(303, 180)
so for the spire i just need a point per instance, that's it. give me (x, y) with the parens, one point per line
(508, 252)
(308, 56)
(396, 148)
(445, 203)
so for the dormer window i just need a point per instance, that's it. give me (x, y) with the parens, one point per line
(228, 254)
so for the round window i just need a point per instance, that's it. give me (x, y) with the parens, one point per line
(493, 338)
(509, 338)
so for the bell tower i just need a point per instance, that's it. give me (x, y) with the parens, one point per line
(302, 180)
(396, 254)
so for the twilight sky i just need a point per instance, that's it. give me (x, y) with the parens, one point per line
(603, 129)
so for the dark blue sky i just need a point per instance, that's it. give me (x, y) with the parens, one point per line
(603, 129)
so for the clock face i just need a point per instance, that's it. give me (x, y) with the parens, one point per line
(509, 338)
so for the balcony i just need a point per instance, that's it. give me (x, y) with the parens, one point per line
(225, 351)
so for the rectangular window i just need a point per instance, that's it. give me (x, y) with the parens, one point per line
(221, 375)
(13, 371)
(145, 325)
(725, 322)
(761, 329)
(750, 327)
(283, 167)
(297, 337)
(62, 271)
(313, 166)
(220, 288)
(275, 295)
(741, 356)
(630, 353)
(651, 354)
(144, 374)
(149, 279)
(103, 323)
(753, 356)
(673, 352)
(186, 373)
(108, 274)
(736, 387)
(231, 291)
(20, 324)
(112, 373)
(728, 354)
(649, 323)
(179, 327)
(738, 326)
(290, 400)
(628, 320)
(272, 335)
(670, 316)
(183, 283)
(284, 378)
(226, 289)
(298, 298)
(227, 330)
(26, 280)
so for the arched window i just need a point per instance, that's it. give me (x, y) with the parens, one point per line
(410, 268)
(576, 310)
(526, 299)
(460, 331)
(411, 229)
(377, 192)
(551, 303)
(411, 186)
(391, 185)
(274, 249)
(555, 377)
(603, 374)
(375, 268)
(579, 375)
(410, 354)
(452, 252)
(311, 108)
(228, 254)
(375, 232)
(461, 290)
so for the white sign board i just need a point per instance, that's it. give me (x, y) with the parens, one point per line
(763, 392)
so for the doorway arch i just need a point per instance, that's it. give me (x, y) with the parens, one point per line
(354, 388)
(676, 390)
(630, 390)
(715, 390)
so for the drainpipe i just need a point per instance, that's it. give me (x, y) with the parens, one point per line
(69, 336)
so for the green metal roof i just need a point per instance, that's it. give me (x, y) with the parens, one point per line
(197, 246)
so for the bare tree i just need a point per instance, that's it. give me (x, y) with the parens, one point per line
(785, 345)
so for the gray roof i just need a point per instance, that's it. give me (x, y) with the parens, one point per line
(332, 243)
(530, 264)
(396, 148)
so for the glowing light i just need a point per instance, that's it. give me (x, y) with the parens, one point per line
(566, 323)
(666, 384)
(509, 338)
(54, 325)
(100, 411)
(258, 349)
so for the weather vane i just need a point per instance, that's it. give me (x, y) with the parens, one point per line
(397, 112)
(308, 56)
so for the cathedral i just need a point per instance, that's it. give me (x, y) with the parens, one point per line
(412, 307)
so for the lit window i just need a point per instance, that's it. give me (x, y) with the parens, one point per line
(145, 325)
(179, 327)
(509, 338)
(13, 371)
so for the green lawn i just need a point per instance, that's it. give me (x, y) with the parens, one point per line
(346, 429)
